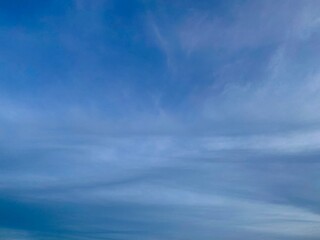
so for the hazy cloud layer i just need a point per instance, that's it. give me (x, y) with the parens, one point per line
(159, 120)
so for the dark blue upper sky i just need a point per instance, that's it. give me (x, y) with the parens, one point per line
(153, 120)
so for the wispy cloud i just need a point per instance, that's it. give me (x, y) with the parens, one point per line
(161, 120)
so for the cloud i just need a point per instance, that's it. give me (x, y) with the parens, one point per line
(179, 120)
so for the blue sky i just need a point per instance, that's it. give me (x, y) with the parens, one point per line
(152, 120)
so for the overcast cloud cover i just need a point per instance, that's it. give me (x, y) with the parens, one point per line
(156, 120)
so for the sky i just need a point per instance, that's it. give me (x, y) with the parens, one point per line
(159, 119)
